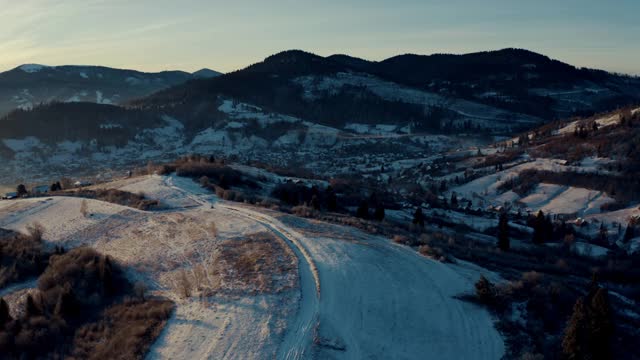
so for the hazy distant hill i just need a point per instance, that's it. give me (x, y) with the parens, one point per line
(295, 108)
(511, 86)
(206, 73)
(29, 85)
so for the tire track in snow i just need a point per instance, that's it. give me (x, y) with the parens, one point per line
(393, 294)
(300, 336)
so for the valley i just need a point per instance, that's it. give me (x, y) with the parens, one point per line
(307, 207)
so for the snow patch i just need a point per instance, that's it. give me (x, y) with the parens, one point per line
(33, 68)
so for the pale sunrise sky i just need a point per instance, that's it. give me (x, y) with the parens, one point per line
(227, 35)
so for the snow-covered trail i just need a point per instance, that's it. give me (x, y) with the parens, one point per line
(155, 246)
(384, 301)
(299, 334)
(372, 299)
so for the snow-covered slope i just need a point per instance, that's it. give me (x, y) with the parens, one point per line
(477, 114)
(357, 296)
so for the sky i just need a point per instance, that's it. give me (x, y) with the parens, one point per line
(155, 35)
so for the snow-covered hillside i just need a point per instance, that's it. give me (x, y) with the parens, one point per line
(478, 114)
(398, 304)
(246, 131)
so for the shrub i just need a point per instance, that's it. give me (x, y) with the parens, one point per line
(401, 239)
(75, 288)
(304, 211)
(124, 331)
(92, 276)
(21, 256)
(432, 252)
(35, 231)
(485, 291)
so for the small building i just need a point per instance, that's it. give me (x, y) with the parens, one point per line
(40, 189)
(81, 183)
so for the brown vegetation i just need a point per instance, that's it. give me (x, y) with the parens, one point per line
(77, 312)
(21, 255)
(114, 196)
(259, 263)
(124, 331)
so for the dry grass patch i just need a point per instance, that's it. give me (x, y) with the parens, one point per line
(259, 263)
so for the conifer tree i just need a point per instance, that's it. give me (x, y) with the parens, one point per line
(454, 200)
(332, 200)
(21, 190)
(363, 210)
(600, 325)
(315, 203)
(603, 234)
(378, 214)
(418, 218)
(574, 343)
(628, 233)
(539, 228)
(503, 232)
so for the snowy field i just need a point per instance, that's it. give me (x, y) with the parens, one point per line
(550, 198)
(355, 296)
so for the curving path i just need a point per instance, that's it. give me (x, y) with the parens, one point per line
(364, 297)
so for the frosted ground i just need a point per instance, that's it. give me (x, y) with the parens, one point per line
(354, 295)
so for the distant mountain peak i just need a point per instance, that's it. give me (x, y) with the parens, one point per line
(206, 73)
(293, 54)
(296, 63)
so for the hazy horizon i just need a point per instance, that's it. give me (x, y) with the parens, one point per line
(190, 35)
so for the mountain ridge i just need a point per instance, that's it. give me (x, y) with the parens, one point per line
(28, 85)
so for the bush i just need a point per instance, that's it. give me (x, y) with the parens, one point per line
(401, 239)
(124, 331)
(93, 277)
(432, 252)
(209, 172)
(76, 288)
(114, 196)
(485, 291)
(304, 211)
(21, 256)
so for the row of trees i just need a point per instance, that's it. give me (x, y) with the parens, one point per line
(544, 230)
(590, 329)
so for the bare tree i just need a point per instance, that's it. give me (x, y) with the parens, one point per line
(35, 231)
(84, 208)
(213, 230)
(184, 284)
